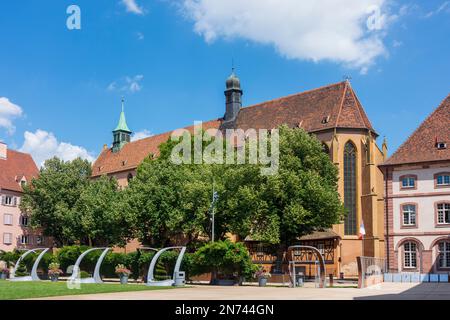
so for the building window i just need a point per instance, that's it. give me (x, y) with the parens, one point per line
(442, 179)
(9, 200)
(39, 239)
(24, 239)
(408, 182)
(8, 219)
(441, 145)
(444, 254)
(350, 188)
(410, 255)
(7, 238)
(24, 221)
(409, 214)
(443, 213)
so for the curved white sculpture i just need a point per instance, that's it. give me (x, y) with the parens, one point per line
(169, 282)
(34, 276)
(76, 268)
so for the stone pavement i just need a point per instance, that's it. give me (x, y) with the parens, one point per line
(385, 291)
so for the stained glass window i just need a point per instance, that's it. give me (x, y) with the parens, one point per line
(350, 227)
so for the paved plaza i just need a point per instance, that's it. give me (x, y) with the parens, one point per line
(385, 291)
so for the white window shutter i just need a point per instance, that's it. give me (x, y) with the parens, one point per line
(3, 200)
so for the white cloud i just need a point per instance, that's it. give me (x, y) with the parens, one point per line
(141, 135)
(127, 84)
(8, 112)
(320, 30)
(43, 145)
(133, 7)
(444, 7)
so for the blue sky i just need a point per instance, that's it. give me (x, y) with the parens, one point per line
(60, 89)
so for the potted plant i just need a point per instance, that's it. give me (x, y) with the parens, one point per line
(123, 273)
(4, 273)
(54, 271)
(262, 277)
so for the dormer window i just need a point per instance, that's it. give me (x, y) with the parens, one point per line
(408, 182)
(326, 119)
(441, 145)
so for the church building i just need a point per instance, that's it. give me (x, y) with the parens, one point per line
(336, 117)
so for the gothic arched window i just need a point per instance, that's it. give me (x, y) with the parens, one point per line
(350, 188)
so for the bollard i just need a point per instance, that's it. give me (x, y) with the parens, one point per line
(331, 279)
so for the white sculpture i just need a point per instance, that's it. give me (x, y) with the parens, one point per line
(76, 268)
(169, 282)
(34, 276)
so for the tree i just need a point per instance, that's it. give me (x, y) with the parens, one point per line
(100, 215)
(171, 201)
(301, 198)
(51, 197)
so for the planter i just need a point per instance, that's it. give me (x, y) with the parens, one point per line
(123, 279)
(3, 276)
(262, 282)
(54, 277)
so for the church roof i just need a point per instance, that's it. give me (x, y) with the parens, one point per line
(133, 153)
(14, 168)
(332, 106)
(421, 145)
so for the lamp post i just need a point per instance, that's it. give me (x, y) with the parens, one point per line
(215, 198)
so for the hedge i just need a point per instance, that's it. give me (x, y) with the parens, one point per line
(225, 258)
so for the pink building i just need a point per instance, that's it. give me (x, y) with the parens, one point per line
(417, 198)
(16, 169)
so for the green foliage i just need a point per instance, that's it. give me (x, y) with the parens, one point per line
(72, 208)
(301, 198)
(226, 258)
(51, 198)
(170, 201)
(21, 270)
(100, 215)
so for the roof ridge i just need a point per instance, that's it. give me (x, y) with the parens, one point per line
(342, 104)
(417, 129)
(293, 95)
(170, 131)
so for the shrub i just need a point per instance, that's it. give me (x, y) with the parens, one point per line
(225, 258)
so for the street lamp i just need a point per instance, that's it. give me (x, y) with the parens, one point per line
(215, 198)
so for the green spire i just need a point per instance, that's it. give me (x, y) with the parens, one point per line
(122, 134)
(122, 126)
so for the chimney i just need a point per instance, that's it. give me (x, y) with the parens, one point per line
(3, 150)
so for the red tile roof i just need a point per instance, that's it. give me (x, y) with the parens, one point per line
(14, 167)
(336, 103)
(332, 106)
(421, 145)
(133, 153)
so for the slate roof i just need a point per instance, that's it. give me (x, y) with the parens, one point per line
(332, 106)
(16, 166)
(421, 145)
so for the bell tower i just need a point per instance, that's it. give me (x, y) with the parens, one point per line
(233, 94)
(122, 134)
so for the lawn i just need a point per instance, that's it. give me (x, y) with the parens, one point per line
(24, 290)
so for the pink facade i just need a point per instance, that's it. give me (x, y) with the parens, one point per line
(418, 208)
(16, 169)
